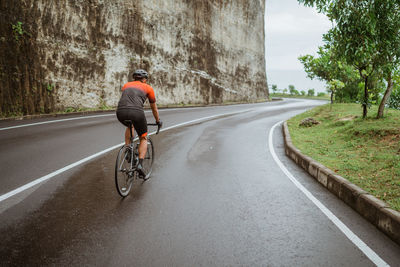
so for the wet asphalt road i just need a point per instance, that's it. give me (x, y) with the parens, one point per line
(216, 197)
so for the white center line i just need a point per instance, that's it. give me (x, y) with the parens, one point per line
(68, 167)
(342, 227)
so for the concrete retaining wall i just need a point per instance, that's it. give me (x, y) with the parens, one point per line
(374, 210)
(78, 54)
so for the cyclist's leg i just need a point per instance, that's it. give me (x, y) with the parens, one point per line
(142, 132)
(128, 135)
(141, 129)
(143, 146)
(123, 115)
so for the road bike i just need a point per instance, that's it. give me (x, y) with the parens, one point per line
(128, 159)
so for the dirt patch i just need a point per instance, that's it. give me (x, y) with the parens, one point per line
(390, 141)
(348, 118)
(308, 122)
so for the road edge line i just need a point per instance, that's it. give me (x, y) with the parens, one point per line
(332, 217)
(54, 121)
(371, 208)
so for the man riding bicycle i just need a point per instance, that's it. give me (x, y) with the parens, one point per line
(130, 107)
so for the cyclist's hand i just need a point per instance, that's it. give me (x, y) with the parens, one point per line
(159, 124)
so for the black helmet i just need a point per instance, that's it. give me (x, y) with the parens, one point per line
(140, 74)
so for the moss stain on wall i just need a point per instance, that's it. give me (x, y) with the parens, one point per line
(75, 53)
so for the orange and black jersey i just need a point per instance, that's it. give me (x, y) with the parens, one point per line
(134, 94)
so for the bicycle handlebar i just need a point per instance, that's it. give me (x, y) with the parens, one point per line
(155, 124)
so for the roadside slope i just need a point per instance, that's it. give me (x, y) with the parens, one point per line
(364, 152)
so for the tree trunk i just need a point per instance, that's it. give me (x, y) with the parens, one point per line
(332, 92)
(366, 96)
(388, 92)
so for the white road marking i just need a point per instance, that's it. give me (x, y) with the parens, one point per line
(53, 174)
(86, 117)
(342, 227)
(53, 121)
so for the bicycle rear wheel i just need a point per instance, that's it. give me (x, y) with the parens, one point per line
(148, 159)
(123, 172)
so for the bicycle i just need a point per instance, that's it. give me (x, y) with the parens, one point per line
(128, 160)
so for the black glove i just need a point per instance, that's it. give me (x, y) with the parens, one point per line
(159, 123)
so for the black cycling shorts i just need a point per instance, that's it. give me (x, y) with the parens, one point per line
(137, 117)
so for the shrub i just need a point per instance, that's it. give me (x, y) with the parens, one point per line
(394, 100)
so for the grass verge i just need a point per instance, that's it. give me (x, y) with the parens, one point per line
(364, 151)
(325, 97)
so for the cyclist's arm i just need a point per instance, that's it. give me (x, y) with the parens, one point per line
(153, 105)
(155, 111)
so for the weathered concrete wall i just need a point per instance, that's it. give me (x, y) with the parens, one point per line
(78, 53)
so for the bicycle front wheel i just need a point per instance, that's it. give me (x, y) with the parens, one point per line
(123, 172)
(148, 159)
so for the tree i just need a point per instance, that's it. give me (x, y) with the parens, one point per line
(328, 67)
(274, 88)
(284, 91)
(302, 92)
(394, 99)
(366, 35)
(387, 20)
(311, 92)
(318, 67)
(333, 86)
(292, 89)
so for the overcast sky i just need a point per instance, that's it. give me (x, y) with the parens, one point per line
(292, 30)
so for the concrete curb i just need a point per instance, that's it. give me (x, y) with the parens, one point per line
(373, 209)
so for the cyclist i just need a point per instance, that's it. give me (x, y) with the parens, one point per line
(130, 107)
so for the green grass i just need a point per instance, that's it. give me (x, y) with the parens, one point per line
(364, 151)
(325, 97)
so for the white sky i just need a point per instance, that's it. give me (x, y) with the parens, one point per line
(292, 30)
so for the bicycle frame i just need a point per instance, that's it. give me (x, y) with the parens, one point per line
(133, 156)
